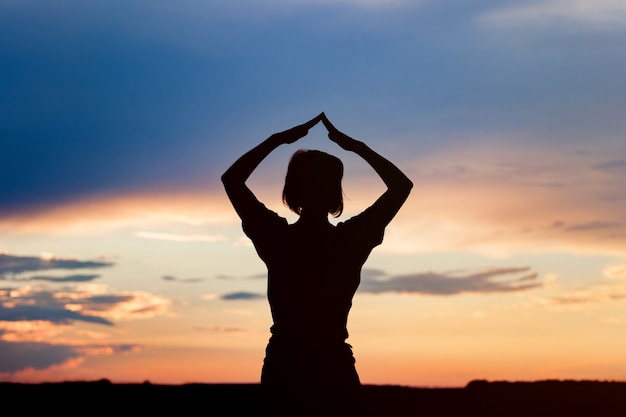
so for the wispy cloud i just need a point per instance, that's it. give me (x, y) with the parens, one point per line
(613, 166)
(615, 272)
(584, 296)
(593, 226)
(493, 280)
(138, 210)
(182, 280)
(218, 329)
(603, 291)
(591, 11)
(195, 237)
(489, 207)
(587, 226)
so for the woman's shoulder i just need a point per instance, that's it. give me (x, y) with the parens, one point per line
(363, 228)
(366, 218)
(263, 221)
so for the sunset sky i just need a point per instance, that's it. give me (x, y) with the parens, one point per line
(121, 258)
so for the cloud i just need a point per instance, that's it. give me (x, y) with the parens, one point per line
(585, 11)
(54, 314)
(69, 278)
(136, 305)
(87, 303)
(491, 211)
(494, 280)
(487, 281)
(224, 276)
(101, 350)
(242, 295)
(615, 272)
(184, 280)
(35, 331)
(604, 291)
(19, 356)
(262, 275)
(46, 331)
(191, 280)
(593, 226)
(591, 295)
(218, 329)
(572, 298)
(16, 264)
(614, 166)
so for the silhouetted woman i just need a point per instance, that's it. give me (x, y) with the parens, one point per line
(313, 267)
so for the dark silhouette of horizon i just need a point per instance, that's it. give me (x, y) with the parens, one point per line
(482, 398)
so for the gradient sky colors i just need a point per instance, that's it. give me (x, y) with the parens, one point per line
(121, 258)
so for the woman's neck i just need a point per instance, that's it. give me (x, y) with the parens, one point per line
(313, 217)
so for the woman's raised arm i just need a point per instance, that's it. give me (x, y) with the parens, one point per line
(234, 179)
(398, 185)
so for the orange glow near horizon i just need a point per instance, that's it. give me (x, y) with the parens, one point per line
(491, 214)
(103, 213)
(174, 255)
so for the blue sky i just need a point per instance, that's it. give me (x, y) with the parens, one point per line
(117, 118)
(101, 96)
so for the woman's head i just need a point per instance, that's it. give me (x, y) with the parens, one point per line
(313, 181)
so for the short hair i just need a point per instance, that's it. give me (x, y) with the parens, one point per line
(314, 178)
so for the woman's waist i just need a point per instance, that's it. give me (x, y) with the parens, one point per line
(309, 335)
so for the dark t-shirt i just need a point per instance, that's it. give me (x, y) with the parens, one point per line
(313, 273)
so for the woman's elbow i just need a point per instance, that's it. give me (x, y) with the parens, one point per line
(228, 178)
(225, 178)
(407, 185)
(232, 182)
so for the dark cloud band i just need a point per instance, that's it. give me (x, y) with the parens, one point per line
(433, 283)
(18, 356)
(53, 314)
(16, 264)
(65, 279)
(242, 295)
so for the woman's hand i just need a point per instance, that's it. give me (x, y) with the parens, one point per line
(340, 138)
(297, 132)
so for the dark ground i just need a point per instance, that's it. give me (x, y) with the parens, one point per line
(478, 398)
